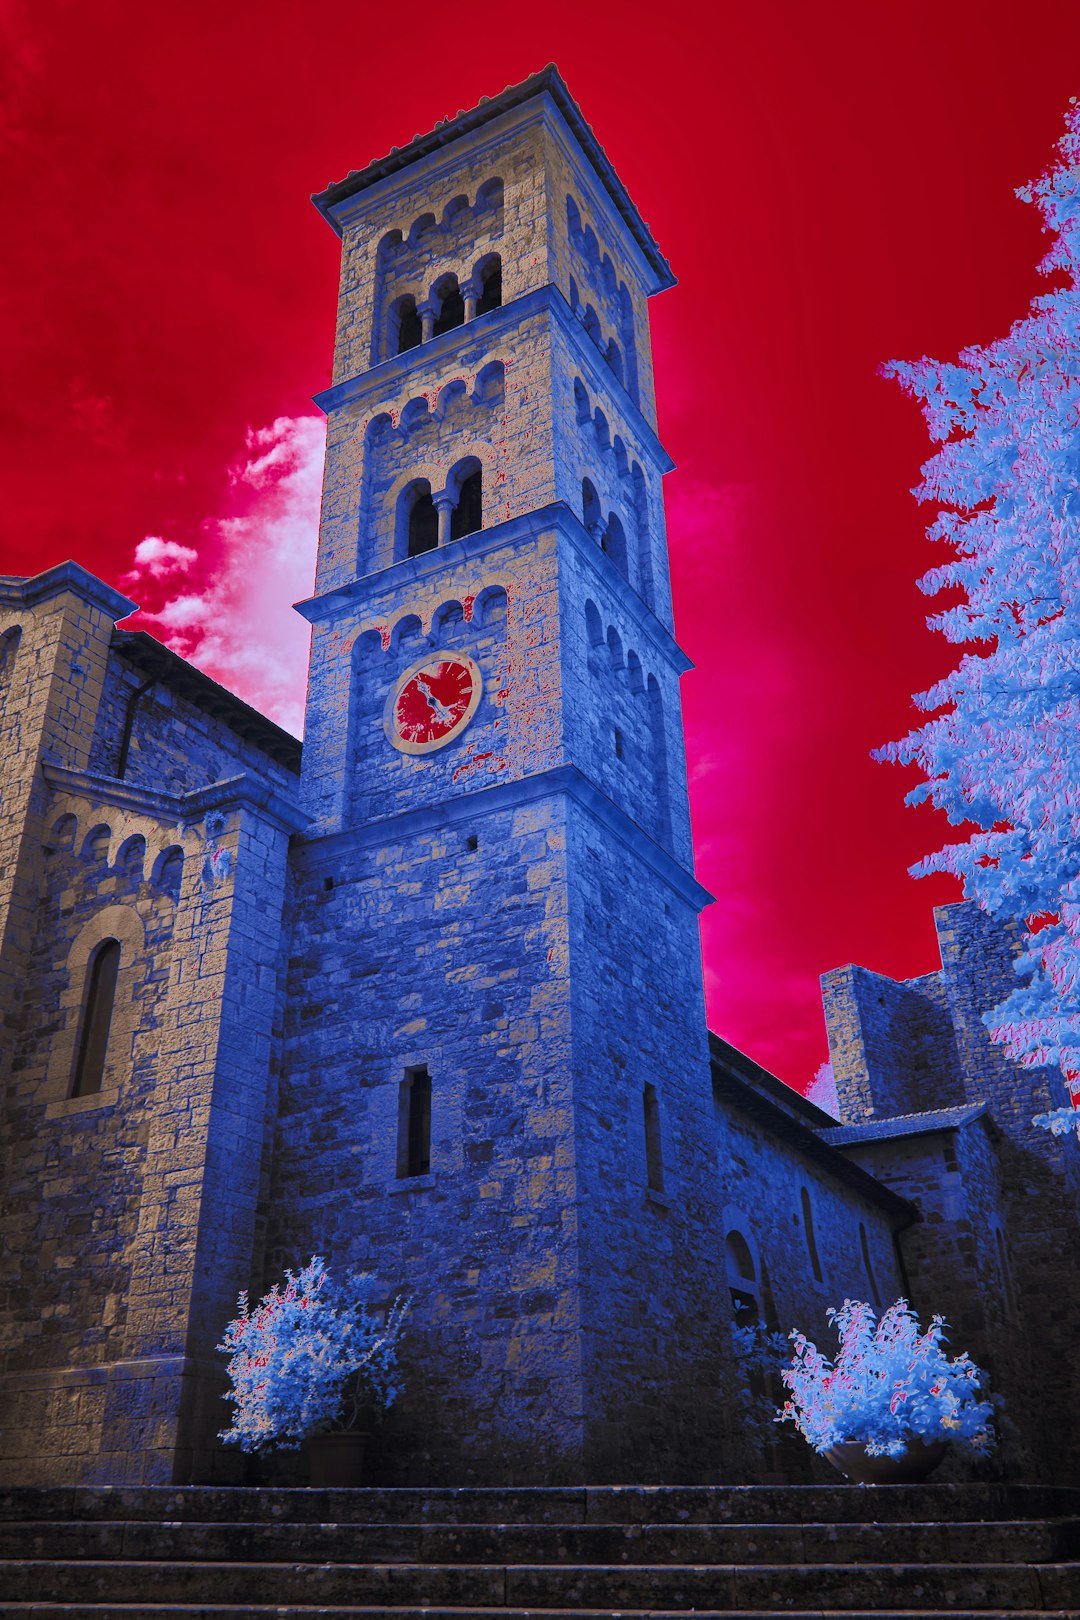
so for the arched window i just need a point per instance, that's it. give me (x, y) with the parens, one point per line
(168, 872)
(613, 542)
(451, 305)
(468, 516)
(581, 401)
(742, 1280)
(423, 531)
(409, 328)
(871, 1279)
(591, 515)
(490, 285)
(9, 647)
(808, 1228)
(614, 360)
(93, 1042)
(654, 1158)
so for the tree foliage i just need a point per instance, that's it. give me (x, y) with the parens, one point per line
(1002, 755)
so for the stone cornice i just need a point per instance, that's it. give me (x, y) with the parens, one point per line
(354, 597)
(17, 591)
(325, 852)
(236, 792)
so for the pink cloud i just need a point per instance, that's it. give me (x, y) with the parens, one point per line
(238, 625)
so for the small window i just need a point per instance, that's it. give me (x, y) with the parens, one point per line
(490, 286)
(618, 743)
(467, 516)
(808, 1228)
(451, 307)
(871, 1279)
(409, 326)
(93, 1043)
(654, 1163)
(423, 525)
(414, 1124)
(742, 1280)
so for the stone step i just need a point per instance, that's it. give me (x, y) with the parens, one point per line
(717, 1588)
(594, 1504)
(1012, 1541)
(142, 1611)
(105, 1611)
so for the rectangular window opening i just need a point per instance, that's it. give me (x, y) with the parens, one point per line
(654, 1163)
(414, 1123)
(618, 743)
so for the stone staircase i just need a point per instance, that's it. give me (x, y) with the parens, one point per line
(831, 1552)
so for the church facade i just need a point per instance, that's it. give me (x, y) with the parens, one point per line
(427, 1000)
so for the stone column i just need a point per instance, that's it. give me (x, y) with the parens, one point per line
(444, 505)
(427, 322)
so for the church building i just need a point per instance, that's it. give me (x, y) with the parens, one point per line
(425, 997)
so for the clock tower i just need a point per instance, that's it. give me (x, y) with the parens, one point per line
(495, 1091)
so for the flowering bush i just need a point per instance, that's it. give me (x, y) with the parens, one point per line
(309, 1359)
(888, 1384)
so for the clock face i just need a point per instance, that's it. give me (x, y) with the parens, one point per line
(433, 702)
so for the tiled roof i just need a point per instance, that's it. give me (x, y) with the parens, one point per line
(873, 1130)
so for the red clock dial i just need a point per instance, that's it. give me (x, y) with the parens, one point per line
(432, 702)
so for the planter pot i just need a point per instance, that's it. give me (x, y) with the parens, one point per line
(916, 1463)
(337, 1459)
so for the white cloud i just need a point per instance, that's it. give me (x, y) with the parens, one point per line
(240, 627)
(158, 557)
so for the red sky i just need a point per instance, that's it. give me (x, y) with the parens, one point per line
(833, 185)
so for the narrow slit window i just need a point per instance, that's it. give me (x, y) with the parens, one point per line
(414, 1124)
(654, 1162)
(808, 1228)
(97, 1014)
(871, 1279)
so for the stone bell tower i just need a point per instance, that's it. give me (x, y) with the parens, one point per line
(495, 1089)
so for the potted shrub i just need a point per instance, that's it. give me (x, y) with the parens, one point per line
(886, 1409)
(311, 1362)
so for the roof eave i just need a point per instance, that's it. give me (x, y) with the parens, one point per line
(548, 81)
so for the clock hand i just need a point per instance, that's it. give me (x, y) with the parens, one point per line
(441, 711)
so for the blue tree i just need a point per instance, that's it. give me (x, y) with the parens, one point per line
(1002, 755)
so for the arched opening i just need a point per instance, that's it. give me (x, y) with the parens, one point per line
(451, 305)
(614, 360)
(93, 1042)
(422, 526)
(409, 328)
(581, 401)
(490, 285)
(592, 326)
(468, 513)
(742, 1280)
(871, 1279)
(613, 544)
(808, 1229)
(490, 195)
(9, 647)
(591, 515)
(132, 858)
(168, 871)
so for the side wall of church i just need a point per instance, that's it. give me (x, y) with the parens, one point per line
(799, 1268)
(125, 1235)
